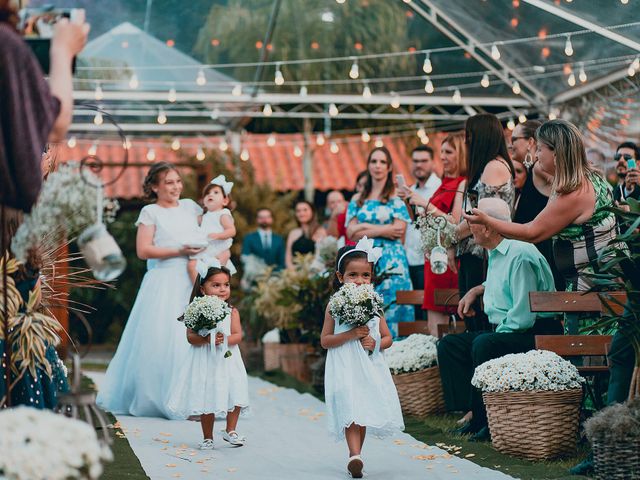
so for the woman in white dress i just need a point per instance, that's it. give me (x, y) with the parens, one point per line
(152, 344)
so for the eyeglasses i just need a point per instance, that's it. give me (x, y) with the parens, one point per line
(513, 139)
(626, 156)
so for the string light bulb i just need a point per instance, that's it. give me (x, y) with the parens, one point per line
(427, 67)
(267, 111)
(72, 142)
(303, 91)
(201, 79)
(366, 91)
(271, 140)
(624, 2)
(133, 82)
(162, 117)
(582, 75)
(424, 139)
(279, 78)
(572, 79)
(511, 124)
(366, 138)
(171, 96)
(354, 72)
(320, 140)
(634, 66)
(457, 96)
(237, 90)
(244, 155)
(421, 132)
(485, 81)
(93, 149)
(495, 53)
(428, 87)
(297, 151)
(395, 100)
(379, 143)
(334, 147)
(568, 47)
(98, 94)
(200, 156)
(515, 87)
(552, 115)
(98, 120)
(223, 145)
(175, 145)
(151, 154)
(333, 110)
(522, 118)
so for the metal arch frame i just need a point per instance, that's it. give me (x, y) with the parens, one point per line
(472, 45)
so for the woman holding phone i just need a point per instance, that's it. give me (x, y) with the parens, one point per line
(380, 215)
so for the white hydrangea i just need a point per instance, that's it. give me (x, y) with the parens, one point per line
(272, 336)
(534, 370)
(355, 304)
(416, 352)
(41, 444)
(204, 313)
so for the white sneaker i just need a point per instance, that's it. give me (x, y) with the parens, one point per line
(207, 444)
(355, 466)
(233, 438)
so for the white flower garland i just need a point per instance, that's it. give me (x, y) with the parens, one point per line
(355, 304)
(41, 444)
(416, 352)
(534, 370)
(204, 313)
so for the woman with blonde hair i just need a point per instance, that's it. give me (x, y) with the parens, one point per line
(574, 215)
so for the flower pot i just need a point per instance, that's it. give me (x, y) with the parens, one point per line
(253, 356)
(616, 460)
(536, 424)
(295, 360)
(272, 353)
(420, 392)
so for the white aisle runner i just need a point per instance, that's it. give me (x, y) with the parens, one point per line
(286, 439)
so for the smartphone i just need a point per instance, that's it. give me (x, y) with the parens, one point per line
(631, 163)
(400, 180)
(471, 201)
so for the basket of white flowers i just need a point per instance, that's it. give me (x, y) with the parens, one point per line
(533, 403)
(413, 365)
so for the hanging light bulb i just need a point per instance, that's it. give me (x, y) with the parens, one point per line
(354, 72)
(395, 100)
(201, 79)
(366, 138)
(515, 87)
(303, 91)
(151, 154)
(279, 78)
(624, 2)
(223, 145)
(511, 124)
(522, 118)
(456, 97)
(320, 139)
(568, 47)
(366, 91)
(572, 79)
(267, 110)
(133, 82)
(582, 75)
(485, 81)
(97, 120)
(552, 115)
(427, 67)
(215, 113)
(271, 140)
(424, 139)
(631, 71)
(127, 144)
(171, 96)
(297, 151)
(72, 142)
(379, 143)
(98, 94)
(334, 147)
(495, 53)
(244, 155)
(333, 110)
(93, 149)
(340, 1)
(636, 63)
(200, 156)
(237, 90)
(428, 87)
(421, 132)
(175, 145)
(633, 67)
(162, 117)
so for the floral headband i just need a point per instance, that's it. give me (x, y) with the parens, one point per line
(221, 181)
(364, 245)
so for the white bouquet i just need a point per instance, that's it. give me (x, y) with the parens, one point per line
(355, 304)
(41, 444)
(416, 352)
(428, 224)
(534, 370)
(204, 314)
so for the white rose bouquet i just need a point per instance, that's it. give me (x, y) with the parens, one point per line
(355, 304)
(534, 370)
(428, 224)
(204, 314)
(416, 352)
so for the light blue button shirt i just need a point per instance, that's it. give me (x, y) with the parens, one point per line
(515, 269)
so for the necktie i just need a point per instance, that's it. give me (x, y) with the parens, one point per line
(265, 241)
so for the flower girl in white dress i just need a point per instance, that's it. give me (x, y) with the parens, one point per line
(212, 381)
(359, 391)
(217, 227)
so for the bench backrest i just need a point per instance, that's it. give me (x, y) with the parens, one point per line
(442, 296)
(574, 345)
(569, 302)
(408, 328)
(409, 297)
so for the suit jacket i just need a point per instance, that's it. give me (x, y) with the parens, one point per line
(252, 245)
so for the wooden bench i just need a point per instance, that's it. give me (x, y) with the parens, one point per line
(445, 297)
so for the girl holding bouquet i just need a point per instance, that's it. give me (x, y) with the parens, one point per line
(359, 390)
(213, 380)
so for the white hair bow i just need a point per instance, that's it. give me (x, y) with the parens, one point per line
(221, 181)
(203, 266)
(364, 245)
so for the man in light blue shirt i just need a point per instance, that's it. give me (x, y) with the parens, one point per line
(515, 268)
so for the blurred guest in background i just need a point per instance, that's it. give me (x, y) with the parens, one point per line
(303, 238)
(627, 155)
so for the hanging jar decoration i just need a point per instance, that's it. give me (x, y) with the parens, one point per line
(438, 257)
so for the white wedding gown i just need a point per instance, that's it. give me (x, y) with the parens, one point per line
(154, 343)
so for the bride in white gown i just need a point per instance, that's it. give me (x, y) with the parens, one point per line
(153, 342)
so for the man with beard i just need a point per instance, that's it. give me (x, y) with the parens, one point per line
(263, 243)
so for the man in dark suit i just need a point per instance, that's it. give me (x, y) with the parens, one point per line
(263, 243)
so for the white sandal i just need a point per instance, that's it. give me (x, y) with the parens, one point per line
(355, 466)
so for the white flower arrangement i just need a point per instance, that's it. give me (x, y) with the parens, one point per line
(204, 314)
(414, 353)
(427, 225)
(325, 254)
(272, 336)
(253, 267)
(355, 304)
(41, 444)
(534, 370)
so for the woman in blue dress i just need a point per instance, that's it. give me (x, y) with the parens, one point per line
(379, 214)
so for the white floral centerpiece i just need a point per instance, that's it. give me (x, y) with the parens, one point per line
(39, 444)
(253, 268)
(414, 353)
(427, 225)
(355, 304)
(204, 314)
(325, 254)
(534, 370)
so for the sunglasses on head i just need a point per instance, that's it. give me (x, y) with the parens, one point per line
(626, 156)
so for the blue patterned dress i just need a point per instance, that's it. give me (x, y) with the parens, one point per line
(393, 261)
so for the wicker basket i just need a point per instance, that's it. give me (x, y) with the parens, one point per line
(617, 460)
(420, 392)
(534, 425)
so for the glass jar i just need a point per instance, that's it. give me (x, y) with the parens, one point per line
(101, 252)
(438, 260)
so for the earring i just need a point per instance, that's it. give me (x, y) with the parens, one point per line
(528, 160)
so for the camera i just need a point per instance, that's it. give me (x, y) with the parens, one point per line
(36, 25)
